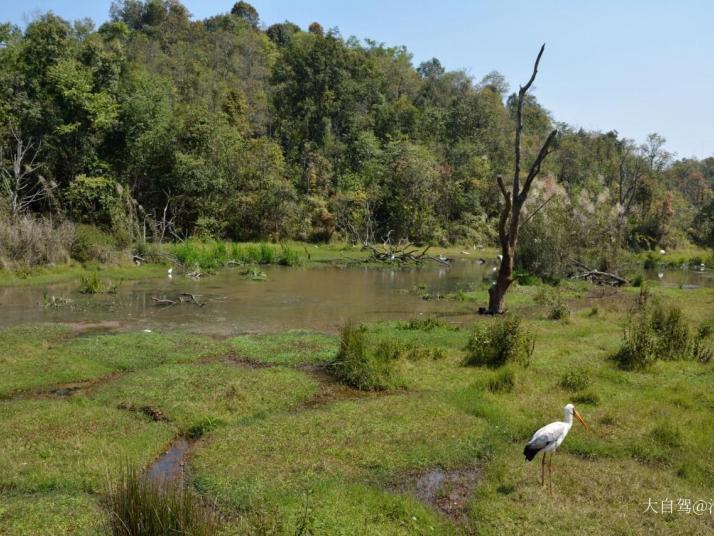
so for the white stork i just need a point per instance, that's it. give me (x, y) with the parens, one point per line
(548, 439)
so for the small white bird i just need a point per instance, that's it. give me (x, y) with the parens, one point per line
(662, 252)
(499, 257)
(495, 269)
(548, 439)
(660, 275)
(171, 270)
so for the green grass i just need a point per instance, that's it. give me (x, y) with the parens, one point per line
(38, 358)
(200, 397)
(71, 445)
(284, 447)
(287, 348)
(42, 514)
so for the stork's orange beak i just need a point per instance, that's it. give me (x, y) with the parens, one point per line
(580, 418)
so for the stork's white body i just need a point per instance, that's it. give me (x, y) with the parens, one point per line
(549, 438)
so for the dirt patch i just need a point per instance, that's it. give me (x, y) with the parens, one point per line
(447, 491)
(66, 390)
(234, 359)
(330, 390)
(153, 413)
(86, 326)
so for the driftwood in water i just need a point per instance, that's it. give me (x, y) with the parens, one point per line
(403, 252)
(598, 277)
(183, 297)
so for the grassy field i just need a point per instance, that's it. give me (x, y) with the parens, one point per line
(277, 444)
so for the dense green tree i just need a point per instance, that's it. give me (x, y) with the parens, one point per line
(221, 128)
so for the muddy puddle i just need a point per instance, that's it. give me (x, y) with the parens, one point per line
(446, 491)
(171, 465)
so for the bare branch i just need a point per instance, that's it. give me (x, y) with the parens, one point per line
(545, 150)
(537, 210)
(519, 126)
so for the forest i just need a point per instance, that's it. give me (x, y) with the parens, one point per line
(156, 127)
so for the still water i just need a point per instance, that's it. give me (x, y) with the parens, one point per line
(321, 298)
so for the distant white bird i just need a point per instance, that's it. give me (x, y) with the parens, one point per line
(660, 275)
(662, 252)
(499, 257)
(495, 269)
(548, 439)
(171, 270)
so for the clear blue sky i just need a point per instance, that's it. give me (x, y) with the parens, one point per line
(637, 66)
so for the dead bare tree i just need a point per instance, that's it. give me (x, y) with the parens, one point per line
(20, 183)
(509, 221)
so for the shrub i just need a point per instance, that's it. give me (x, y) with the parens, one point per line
(498, 342)
(639, 349)
(503, 382)
(637, 281)
(365, 368)
(139, 506)
(559, 311)
(27, 241)
(103, 202)
(575, 380)
(657, 332)
(525, 279)
(92, 244)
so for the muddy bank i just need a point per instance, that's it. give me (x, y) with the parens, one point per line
(447, 491)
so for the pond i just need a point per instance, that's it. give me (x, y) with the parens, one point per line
(316, 297)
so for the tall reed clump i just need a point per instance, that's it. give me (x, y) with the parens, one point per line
(500, 341)
(213, 255)
(139, 506)
(27, 241)
(364, 367)
(661, 332)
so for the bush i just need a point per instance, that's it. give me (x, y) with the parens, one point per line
(658, 332)
(365, 368)
(559, 311)
(27, 241)
(552, 298)
(525, 279)
(139, 506)
(103, 202)
(498, 342)
(637, 281)
(92, 244)
(575, 380)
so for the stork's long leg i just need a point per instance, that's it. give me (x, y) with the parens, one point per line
(542, 470)
(550, 472)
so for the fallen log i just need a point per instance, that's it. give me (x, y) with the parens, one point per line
(598, 277)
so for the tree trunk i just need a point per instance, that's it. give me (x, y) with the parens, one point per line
(513, 201)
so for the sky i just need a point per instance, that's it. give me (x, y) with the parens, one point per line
(635, 66)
